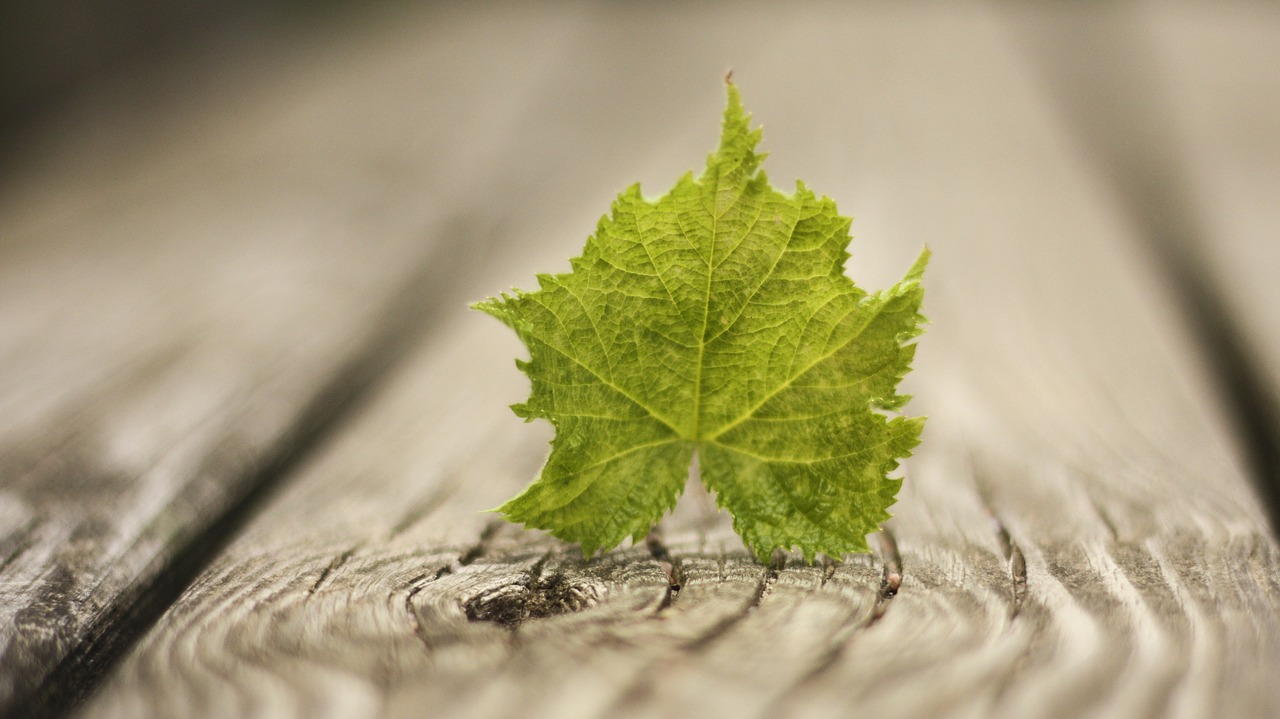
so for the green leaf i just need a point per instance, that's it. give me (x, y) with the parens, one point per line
(717, 319)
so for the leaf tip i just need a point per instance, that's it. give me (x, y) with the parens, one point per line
(498, 308)
(737, 140)
(917, 269)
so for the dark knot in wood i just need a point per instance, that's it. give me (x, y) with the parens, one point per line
(512, 604)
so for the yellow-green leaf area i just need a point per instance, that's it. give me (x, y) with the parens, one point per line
(717, 320)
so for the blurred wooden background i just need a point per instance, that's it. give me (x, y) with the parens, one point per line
(248, 426)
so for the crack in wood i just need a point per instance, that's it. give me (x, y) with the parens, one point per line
(643, 683)
(892, 560)
(473, 552)
(891, 580)
(1105, 517)
(1018, 571)
(333, 565)
(828, 569)
(777, 563)
(1015, 563)
(417, 585)
(763, 588)
(482, 545)
(672, 566)
(890, 584)
(421, 582)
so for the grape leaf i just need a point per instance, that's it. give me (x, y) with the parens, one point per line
(717, 319)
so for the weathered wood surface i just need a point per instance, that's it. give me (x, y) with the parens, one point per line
(1220, 72)
(1076, 536)
(1170, 109)
(195, 282)
(1231, 158)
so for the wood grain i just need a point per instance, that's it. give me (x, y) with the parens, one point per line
(1171, 109)
(1076, 535)
(1221, 74)
(1222, 71)
(195, 281)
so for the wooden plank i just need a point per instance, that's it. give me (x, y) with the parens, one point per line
(1171, 109)
(1075, 536)
(1222, 71)
(1215, 72)
(191, 289)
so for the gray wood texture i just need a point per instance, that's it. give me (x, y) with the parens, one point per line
(1170, 108)
(1221, 75)
(195, 280)
(1077, 535)
(1231, 158)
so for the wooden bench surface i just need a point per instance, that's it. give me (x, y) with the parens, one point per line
(249, 425)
